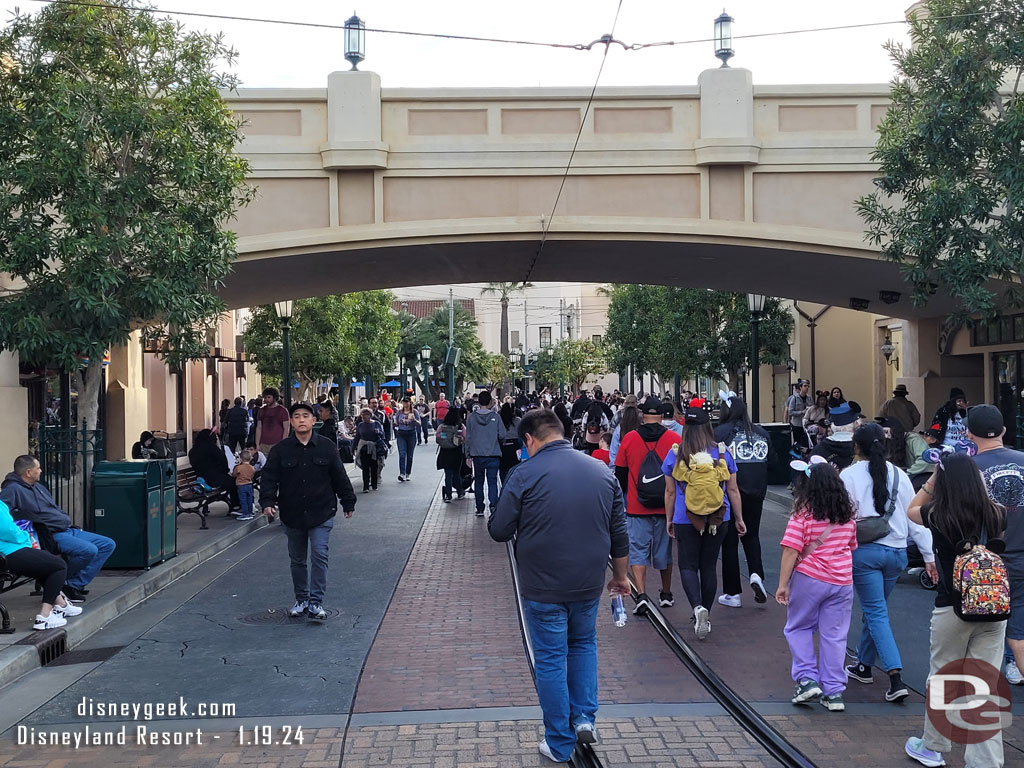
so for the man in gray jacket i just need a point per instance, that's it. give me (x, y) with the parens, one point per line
(567, 514)
(484, 432)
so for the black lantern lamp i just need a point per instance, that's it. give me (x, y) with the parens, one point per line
(355, 41)
(723, 38)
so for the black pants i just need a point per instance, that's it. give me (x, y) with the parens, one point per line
(752, 506)
(42, 566)
(371, 471)
(236, 441)
(452, 480)
(698, 562)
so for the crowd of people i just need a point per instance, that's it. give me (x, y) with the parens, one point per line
(865, 491)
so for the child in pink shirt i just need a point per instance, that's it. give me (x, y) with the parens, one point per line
(818, 545)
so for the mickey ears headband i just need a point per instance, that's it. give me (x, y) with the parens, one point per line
(807, 466)
(936, 454)
(726, 397)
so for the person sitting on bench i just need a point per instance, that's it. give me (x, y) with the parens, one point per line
(29, 500)
(23, 560)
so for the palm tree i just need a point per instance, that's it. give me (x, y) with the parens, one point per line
(503, 291)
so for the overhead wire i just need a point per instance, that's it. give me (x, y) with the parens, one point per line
(506, 41)
(586, 113)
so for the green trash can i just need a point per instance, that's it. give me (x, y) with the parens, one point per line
(168, 511)
(781, 437)
(128, 503)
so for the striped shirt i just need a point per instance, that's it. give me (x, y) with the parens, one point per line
(832, 560)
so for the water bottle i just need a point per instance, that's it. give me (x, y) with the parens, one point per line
(618, 611)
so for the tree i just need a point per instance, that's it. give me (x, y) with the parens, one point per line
(690, 331)
(473, 365)
(949, 205)
(503, 291)
(330, 337)
(118, 177)
(574, 360)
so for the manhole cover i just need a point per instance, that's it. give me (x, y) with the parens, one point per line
(276, 616)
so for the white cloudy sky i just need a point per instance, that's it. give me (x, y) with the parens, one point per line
(272, 55)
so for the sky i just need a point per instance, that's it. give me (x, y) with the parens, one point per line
(273, 55)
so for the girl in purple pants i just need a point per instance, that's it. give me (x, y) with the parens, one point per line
(818, 545)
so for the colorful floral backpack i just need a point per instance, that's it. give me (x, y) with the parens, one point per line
(981, 588)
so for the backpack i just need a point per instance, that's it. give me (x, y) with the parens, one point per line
(650, 481)
(594, 422)
(981, 588)
(448, 437)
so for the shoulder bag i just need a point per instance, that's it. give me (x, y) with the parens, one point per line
(876, 527)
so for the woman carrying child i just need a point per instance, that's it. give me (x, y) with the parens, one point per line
(816, 582)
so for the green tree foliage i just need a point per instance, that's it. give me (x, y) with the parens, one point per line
(571, 363)
(690, 331)
(503, 291)
(433, 333)
(949, 205)
(117, 179)
(331, 337)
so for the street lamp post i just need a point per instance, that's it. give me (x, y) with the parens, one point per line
(755, 303)
(425, 360)
(284, 314)
(355, 41)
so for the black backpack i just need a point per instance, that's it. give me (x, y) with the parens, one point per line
(650, 481)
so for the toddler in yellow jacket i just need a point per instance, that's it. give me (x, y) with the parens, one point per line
(705, 500)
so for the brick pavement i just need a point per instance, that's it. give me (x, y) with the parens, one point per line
(450, 638)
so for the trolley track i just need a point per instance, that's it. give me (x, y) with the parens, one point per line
(773, 742)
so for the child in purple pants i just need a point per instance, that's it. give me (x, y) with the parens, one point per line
(818, 544)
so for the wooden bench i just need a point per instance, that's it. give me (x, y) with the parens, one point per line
(188, 500)
(8, 581)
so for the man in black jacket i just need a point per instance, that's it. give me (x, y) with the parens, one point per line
(305, 478)
(566, 512)
(236, 426)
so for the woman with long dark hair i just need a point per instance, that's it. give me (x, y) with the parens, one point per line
(749, 445)
(509, 444)
(878, 488)
(407, 429)
(208, 460)
(563, 416)
(954, 505)
(629, 421)
(451, 437)
(698, 549)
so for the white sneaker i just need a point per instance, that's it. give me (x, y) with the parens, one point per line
(299, 608)
(1013, 675)
(586, 733)
(68, 610)
(53, 621)
(545, 750)
(733, 601)
(757, 587)
(702, 622)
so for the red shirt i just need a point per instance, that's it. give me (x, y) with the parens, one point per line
(632, 452)
(602, 455)
(441, 409)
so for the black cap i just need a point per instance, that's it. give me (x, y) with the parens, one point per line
(667, 410)
(651, 406)
(985, 421)
(301, 407)
(696, 416)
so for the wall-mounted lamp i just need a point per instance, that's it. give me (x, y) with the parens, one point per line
(888, 350)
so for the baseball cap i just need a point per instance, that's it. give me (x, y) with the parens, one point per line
(301, 407)
(651, 405)
(985, 421)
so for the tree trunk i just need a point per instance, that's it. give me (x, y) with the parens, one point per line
(504, 327)
(87, 382)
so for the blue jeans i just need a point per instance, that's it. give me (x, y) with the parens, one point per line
(309, 584)
(564, 637)
(876, 568)
(246, 498)
(485, 465)
(406, 445)
(86, 553)
(425, 426)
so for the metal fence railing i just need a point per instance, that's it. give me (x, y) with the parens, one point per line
(67, 457)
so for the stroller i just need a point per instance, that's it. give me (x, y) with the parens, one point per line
(915, 564)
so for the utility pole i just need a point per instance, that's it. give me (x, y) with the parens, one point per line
(450, 374)
(526, 344)
(561, 319)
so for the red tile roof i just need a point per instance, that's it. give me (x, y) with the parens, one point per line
(423, 307)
